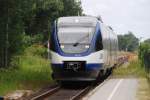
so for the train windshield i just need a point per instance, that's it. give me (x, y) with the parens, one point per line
(75, 38)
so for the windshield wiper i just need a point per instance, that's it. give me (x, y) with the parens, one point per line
(81, 39)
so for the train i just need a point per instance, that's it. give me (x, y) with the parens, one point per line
(82, 48)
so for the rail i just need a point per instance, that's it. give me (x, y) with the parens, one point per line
(44, 94)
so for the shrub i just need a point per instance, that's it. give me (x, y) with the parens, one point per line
(144, 55)
(31, 71)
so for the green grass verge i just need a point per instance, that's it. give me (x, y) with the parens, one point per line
(33, 72)
(133, 69)
(143, 92)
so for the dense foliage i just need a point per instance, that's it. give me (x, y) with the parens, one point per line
(32, 71)
(22, 19)
(144, 54)
(128, 42)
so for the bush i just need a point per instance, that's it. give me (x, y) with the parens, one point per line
(144, 55)
(36, 50)
(33, 51)
(29, 40)
(31, 71)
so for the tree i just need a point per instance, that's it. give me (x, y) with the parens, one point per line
(147, 41)
(11, 29)
(29, 17)
(71, 8)
(128, 42)
(46, 11)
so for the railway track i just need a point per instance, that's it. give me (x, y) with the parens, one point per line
(46, 93)
(62, 93)
(58, 92)
(73, 92)
(65, 93)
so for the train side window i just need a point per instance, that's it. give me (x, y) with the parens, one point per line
(99, 44)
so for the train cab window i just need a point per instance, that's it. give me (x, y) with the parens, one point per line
(99, 44)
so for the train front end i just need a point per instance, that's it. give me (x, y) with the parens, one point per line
(74, 56)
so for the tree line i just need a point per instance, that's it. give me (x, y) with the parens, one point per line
(26, 21)
(128, 42)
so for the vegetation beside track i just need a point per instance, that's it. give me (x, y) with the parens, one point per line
(130, 69)
(143, 90)
(31, 70)
(144, 56)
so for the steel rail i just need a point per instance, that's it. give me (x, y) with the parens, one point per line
(46, 93)
(81, 93)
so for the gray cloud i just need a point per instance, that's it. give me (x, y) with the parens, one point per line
(122, 15)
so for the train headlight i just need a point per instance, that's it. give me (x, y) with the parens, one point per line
(87, 46)
(62, 46)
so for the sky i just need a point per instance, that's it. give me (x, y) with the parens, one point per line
(122, 15)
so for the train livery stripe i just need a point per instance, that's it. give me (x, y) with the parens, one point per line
(96, 57)
(92, 66)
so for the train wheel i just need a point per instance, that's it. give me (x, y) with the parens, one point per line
(52, 75)
(109, 71)
(100, 76)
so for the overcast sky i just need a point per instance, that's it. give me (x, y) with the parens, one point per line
(122, 15)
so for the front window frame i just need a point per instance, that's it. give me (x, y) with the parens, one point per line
(89, 44)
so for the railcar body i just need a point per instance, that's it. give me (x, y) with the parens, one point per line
(82, 48)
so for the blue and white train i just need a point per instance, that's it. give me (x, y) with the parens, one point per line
(82, 48)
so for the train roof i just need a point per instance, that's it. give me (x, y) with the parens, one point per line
(77, 20)
(83, 21)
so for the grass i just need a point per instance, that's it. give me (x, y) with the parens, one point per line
(133, 69)
(143, 90)
(33, 72)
